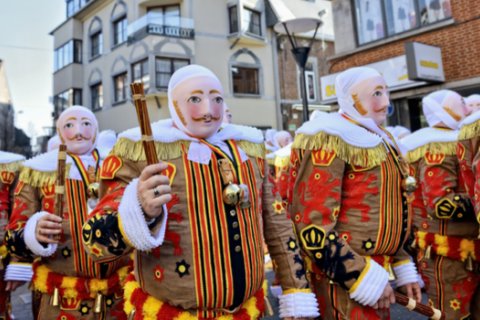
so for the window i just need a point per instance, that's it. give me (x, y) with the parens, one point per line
(233, 19)
(245, 80)
(311, 86)
(70, 52)
(251, 20)
(96, 44)
(96, 92)
(164, 68)
(67, 99)
(120, 30)
(74, 5)
(166, 15)
(140, 73)
(120, 90)
(377, 19)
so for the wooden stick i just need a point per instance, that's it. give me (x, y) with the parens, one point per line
(138, 95)
(420, 308)
(60, 183)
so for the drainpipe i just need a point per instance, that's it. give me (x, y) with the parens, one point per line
(276, 83)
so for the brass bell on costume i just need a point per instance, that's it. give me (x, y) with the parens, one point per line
(469, 264)
(231, 194)
(131, 316)
(391, 274)
(428, 252)
(98, 303)
(409, 184)
(93, 190)
(56, 298)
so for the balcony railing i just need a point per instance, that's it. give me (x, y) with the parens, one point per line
(159, 24)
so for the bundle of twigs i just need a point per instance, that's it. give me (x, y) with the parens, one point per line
(420, 308)
(60, 183)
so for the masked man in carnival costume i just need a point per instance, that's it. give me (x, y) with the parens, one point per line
(350, 211)
(444, 219)
(468, 154)
(196, 219)
(73, 286)
(10, 164)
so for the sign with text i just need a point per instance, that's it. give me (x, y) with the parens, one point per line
(424, 62)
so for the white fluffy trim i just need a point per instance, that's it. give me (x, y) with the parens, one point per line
(298, 305)
(336, 125)
(18, 272)
(370, 285)
(428, 135)
(405, 273)
(133, 221)
(31, 240)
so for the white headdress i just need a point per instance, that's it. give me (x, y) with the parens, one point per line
(434, 109)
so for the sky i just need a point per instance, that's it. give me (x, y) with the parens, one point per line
(26, 48)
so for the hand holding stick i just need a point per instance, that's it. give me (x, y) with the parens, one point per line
(60, 183)
(420, 308)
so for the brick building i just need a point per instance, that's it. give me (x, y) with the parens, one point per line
(376, 33)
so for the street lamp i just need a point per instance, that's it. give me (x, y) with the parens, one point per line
(292, 28)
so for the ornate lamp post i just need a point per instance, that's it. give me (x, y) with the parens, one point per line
(292, 28)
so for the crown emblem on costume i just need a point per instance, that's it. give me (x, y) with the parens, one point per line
(434, 158)
(322, 157)
(170, 172)
(110, 167)
(48, 190)
(313, 237)
(7, 177)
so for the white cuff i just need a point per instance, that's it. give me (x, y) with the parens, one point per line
(405, 273)
(18, 272)
(298, 305)
(370, 285)
(31, 240)
(133, 223)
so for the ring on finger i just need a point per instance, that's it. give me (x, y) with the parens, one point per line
(156, 192)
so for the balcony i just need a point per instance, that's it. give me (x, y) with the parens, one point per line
(155, 23)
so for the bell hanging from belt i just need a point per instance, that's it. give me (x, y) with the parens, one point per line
(92, 190)
(409, 184)
(391, 274)
(413, 245)
(428, 252)
(469, 264)
(55, 298)
(131, 316)
(98, 303)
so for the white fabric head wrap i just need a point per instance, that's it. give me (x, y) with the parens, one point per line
(433, 109)
(53, 143)
(474, 98)
(67, 112)
(344, 83)
(182, 74)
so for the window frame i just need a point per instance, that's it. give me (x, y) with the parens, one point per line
(74, 57)
(252, 13)
(163, 8)
(95, 98)
(244, 81)
(116, 40)
(171, 61)
(233, 24)
(116, 98)
(93, 36)
(385, 26)
(142, 62)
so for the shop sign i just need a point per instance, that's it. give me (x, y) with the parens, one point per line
(424, 62)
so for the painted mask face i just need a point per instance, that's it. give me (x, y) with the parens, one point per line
(473, 105)
(77, 130)
(371, 99)
(198, 102)
(227, 115)
(455, 106)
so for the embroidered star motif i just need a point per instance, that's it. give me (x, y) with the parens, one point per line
(291, 244)
(182, 268)
(84, 309)
(368, 244)
(66, 252)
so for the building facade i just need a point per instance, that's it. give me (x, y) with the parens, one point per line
(419, 46)
(104, 45)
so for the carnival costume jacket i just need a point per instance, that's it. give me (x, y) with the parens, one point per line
(63, 272)
(10, 164)
(444, 220)
(202, 258)
(350, 214)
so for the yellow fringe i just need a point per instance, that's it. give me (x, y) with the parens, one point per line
(469, 131)
(446, 148)
(281, 162)
(256, 150)
(37, 178)
(11, 167)
(133, 150)
(364, 157)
